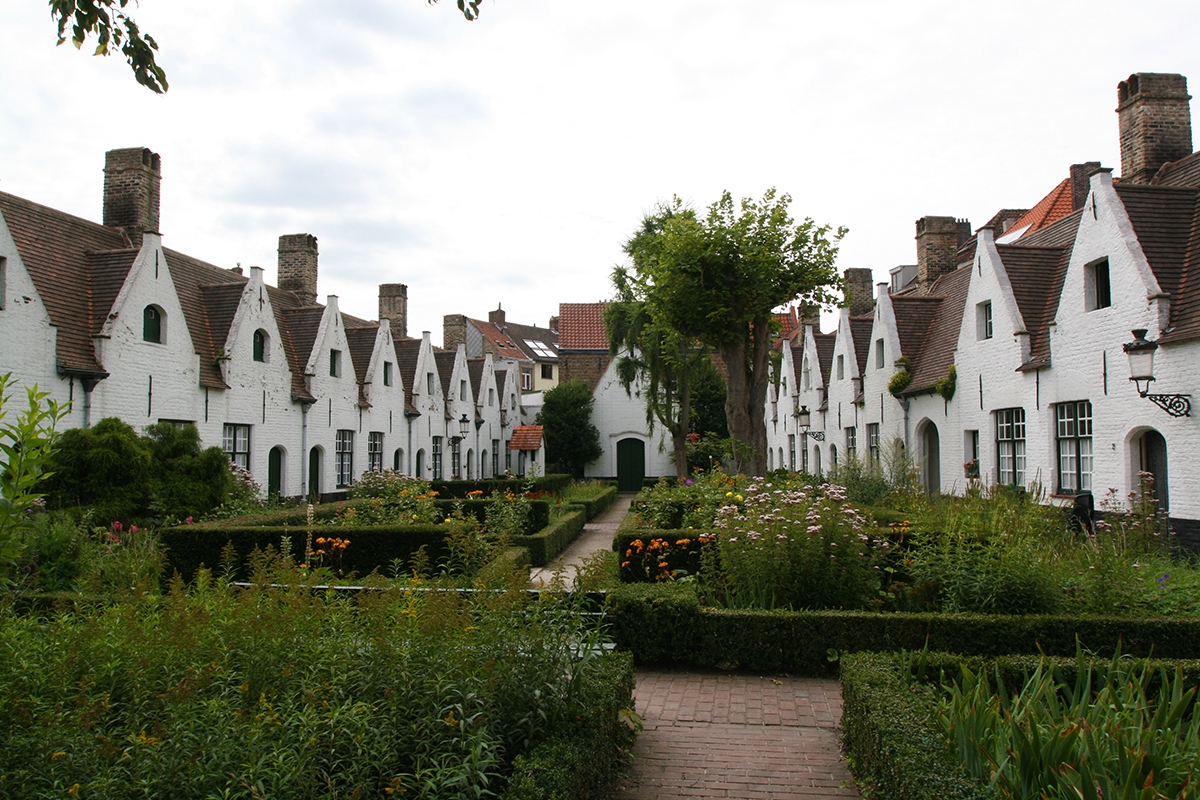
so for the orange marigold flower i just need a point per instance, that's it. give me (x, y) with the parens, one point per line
(624, 564)
(684, 542)
(662, 565)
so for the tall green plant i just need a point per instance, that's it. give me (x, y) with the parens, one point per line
(26, 443)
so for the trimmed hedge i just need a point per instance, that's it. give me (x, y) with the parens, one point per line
(552, 539)
(189, 547)
(897, 749)
(598, 502)
(547, 484)
(585, 764)
(665, 625)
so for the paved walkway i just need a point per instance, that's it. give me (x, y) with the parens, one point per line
(718, 735)
(596, 535)
(736, 736)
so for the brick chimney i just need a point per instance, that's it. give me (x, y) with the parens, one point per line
(810, 314)
(132, 178)
(1081, 183)
(859, 296)
(454, 331)
(393, 306)
(298, 266)
(497, 317)
(1156, 124)
(938, 240)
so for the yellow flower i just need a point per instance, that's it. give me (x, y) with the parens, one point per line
(729, 494)
(73, 791)
(739, 498)
(451, 720)
(59, 754)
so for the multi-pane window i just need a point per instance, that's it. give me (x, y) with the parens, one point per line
(455, 458)
(495, 457)
(335, 363)
(1010, 446)
(152, 324)
(387, 373)
(375, 451)
(983, 320)
(548, 372)
(526, 380)
(260, 345)
(873, 440)
(235, 439)
(437, 458)
(1074, 434)
(343, 450)
(851, 441)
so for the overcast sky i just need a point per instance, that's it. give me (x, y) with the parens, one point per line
(505, 160)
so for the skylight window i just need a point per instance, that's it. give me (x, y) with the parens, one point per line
(539, 348)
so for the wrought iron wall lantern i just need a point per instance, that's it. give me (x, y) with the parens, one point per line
(804, 422)
(464, 427)
(1141, 371)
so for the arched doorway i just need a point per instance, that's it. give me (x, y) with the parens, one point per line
(420, 464)
(631, 465)
(931, 459)
(275, 461)
(316, 459)
(470, 465)
(1152, 458)
(483, 465)
(397, 457)
(816, 461)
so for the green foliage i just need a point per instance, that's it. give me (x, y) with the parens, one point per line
(901, 379)
(894, 744)
(391, 498)
(864, 479)
(791, 547)
(25, 447)
(1122, 729)
(545, 544)
(106, 467)
(186, 480)
(708, 403)
(691, 503)
(594, 496)
(540, 485)
(715, 280)
(572, 440)
(107, 21)
(945, 386)
(277, 691)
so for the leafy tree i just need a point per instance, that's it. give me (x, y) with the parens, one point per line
(113, 29)
(186, 480)
(25, 447)
(708, 402)
(106, 466)
(717, 279)
(572, 441)
(657, 359)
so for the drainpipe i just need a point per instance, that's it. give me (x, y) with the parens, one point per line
(304, 450)
(408, 469)
(904, 403)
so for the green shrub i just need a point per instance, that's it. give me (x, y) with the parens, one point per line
(594, 496)
(689, 503)
(106, 467)
(544, 485)
(552, 539)
(864, 479)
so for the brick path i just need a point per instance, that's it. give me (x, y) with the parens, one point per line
(736, 736)
(596, 535)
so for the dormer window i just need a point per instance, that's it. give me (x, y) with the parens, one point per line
(1096, 285)
(335, 363)
(152, 324)
(261, 351)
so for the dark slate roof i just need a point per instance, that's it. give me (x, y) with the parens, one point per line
(445, 367)
(860, 331)
(825, 344)
(1162, 219)
(304, 322)
(1184, 172)
(519, 333)
(914, 314)
(1036, 275)
(1059, 234)
(281, 303)
(1184, 320)
(937, 353)
(361, 340)
(475, 373)
(54, 248)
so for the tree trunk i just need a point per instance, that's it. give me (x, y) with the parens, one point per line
(746, 395)
(684, 422)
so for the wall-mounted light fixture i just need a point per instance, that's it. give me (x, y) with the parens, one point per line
(804, 422)
(1141, 371)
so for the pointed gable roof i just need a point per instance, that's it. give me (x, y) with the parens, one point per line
(361, 340)
(1184, 172)
(55, 249)
(1036, 275)
(825, 344)
(444, 359)
(860, 334)
(936, 355)
(1162, 219)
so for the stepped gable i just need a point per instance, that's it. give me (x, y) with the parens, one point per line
(1184, 172)
(55, 248)
(1162, 219)
(936, 355)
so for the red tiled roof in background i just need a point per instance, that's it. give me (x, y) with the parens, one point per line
(581, 326)
(504, 345)
(526, 437)
(1049, 209)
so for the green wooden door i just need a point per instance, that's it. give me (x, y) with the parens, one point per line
(631, 465)
(274, 472)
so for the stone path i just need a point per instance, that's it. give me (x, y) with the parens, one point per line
(596, 535)
(719, 735)
(736, 736)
